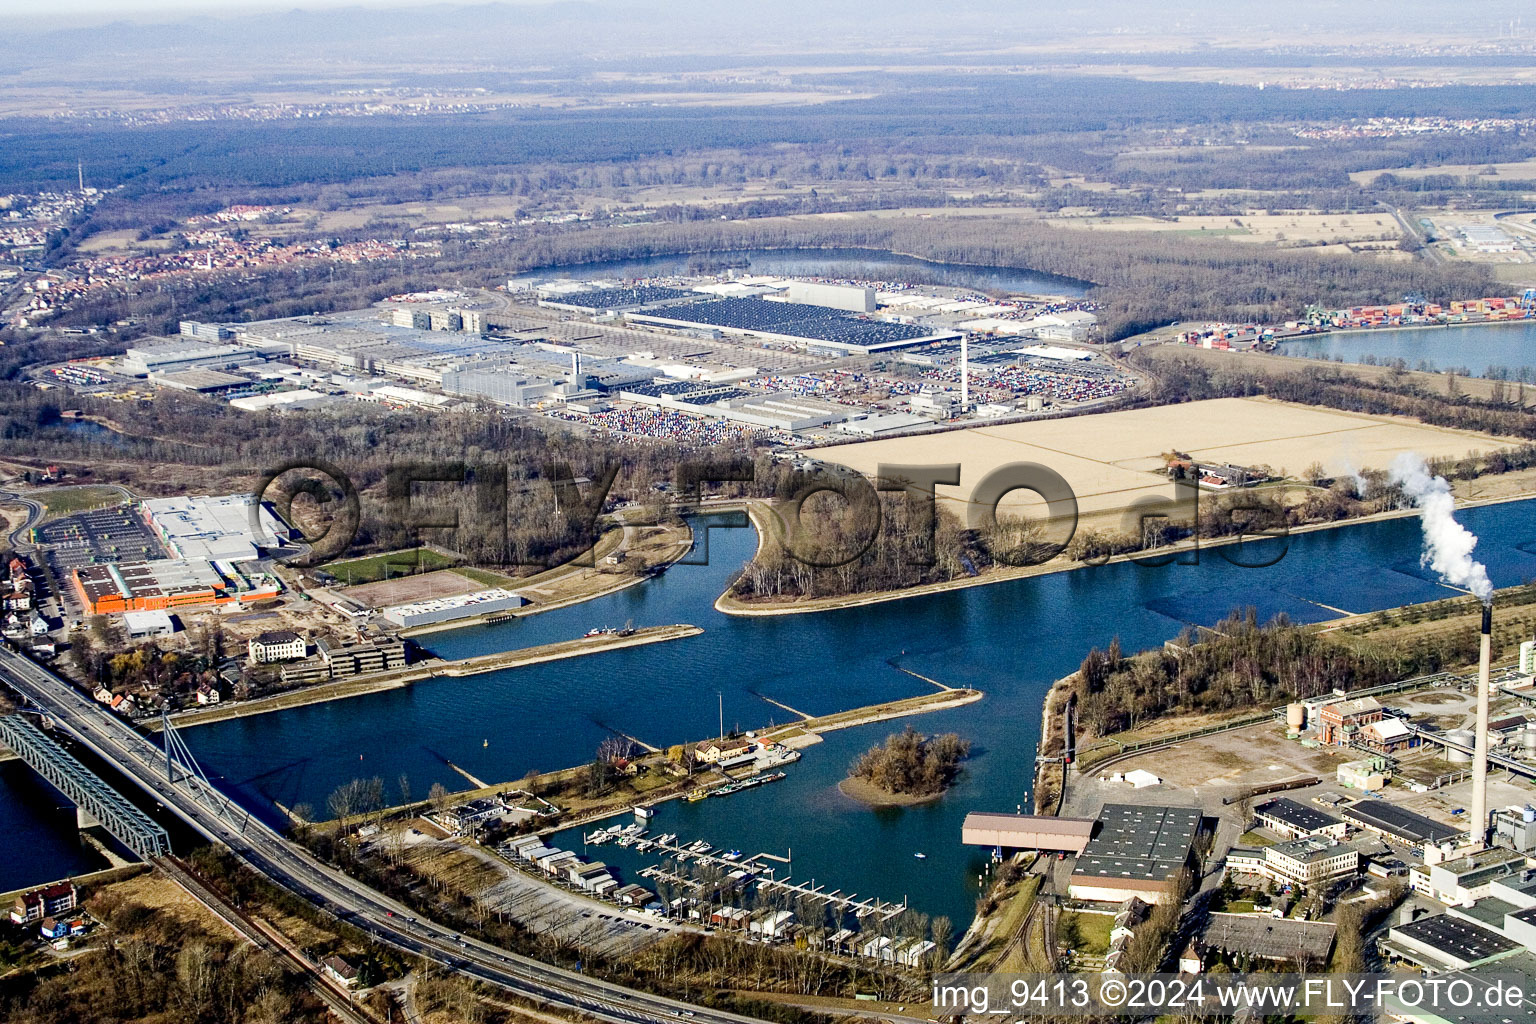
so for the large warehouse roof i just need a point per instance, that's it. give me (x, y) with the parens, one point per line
(1026, 831)
(1147, 844)
(1397, 821)
(799, 321)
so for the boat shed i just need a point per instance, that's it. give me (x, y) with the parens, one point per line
(1026, 832)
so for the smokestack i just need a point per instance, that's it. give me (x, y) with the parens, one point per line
(965, 373)
(1480, 743)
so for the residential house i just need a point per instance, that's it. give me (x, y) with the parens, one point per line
(49, 901)
(340, 970)
(276, 645)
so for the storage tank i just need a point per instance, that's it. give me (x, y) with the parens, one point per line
(1528, 813)
(1465, 738)
(1296, 716)
(1528, 739)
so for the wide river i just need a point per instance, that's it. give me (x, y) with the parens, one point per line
(1475, 347)
(1010, 639)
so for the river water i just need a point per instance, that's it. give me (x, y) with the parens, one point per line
(851, 264)
(1473, 346)
(1011, 640)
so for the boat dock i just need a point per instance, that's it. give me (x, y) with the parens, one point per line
(701, 852)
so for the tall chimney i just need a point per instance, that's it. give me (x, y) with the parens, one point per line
(965, 373)
(1480, 743)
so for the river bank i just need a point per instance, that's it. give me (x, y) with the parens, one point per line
(729, 604)
(575, 583)
(430, 669)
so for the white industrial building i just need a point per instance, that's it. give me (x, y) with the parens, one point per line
(447, 609)
(854, 298)
(300, 398)
(168, 355)
(143, 625)
(883, 424)
(1068, 326)
(213, 529)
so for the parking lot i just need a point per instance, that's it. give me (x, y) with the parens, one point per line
(113, 534)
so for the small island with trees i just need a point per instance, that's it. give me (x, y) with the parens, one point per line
(906, 769)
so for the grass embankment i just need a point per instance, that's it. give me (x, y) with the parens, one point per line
(1417, 625)
(433, 668)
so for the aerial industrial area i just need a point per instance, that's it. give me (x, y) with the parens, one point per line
(537, 513)
(792, 363)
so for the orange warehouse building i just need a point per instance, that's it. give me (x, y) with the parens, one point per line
(162, 585)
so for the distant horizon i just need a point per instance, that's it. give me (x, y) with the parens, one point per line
(1191, 19)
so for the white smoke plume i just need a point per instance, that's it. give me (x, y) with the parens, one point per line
(1447, 544)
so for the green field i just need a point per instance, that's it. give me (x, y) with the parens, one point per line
(393, 563)
(77, 499)
(1092, 931)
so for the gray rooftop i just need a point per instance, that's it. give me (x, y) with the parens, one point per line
(1398, 821)
(1137, 842)
(1296, 815)
(1456, 938)
(1269, 937)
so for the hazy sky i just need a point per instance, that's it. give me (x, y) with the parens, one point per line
(96, 9)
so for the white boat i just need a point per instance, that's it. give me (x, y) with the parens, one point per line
(920, 856)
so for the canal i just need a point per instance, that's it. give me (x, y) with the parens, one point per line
(1009, 639)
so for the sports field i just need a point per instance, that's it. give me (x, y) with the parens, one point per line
(1113, 459)
(388, 565)
(406, 589)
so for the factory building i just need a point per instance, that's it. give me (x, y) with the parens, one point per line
(169, 355)
(447, 609)
(1026, 832)
(1340, 721)
(1135, 853)
(1446, 942)
(1400, 824)
(282, 401)
(504, 385)
(1465, 879)
(852, 298)
(144, 625)
(214, 529)
(205, 332)
(1286, 817)
(1515, 828)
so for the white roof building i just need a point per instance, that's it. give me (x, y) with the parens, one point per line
(213, 529)
(301, 398)
(147, 624)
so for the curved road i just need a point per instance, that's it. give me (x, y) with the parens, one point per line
(16, 539)
(289, 865)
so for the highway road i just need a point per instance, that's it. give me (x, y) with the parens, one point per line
(284, 862)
